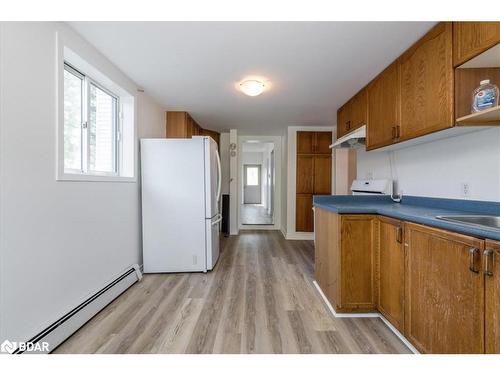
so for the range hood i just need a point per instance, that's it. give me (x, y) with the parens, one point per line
(354, 139)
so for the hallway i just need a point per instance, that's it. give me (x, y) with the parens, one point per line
(259, 299)
(255, 214)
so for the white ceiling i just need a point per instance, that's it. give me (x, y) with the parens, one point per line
(312, 67)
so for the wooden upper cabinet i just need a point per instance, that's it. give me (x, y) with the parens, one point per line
(444, 304)
(472, 38)
(314, 142)
(305, 142)
(322, 142)
(343, 120)
(492, 297)
(180, 124)
(427, 84)
(322, 175)
(359, 110)
(391, 261)
(384, 100)
(358, 243)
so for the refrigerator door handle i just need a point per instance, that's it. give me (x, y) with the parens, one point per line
(219, 177)
(219, 218)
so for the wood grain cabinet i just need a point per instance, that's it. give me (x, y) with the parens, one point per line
(391, 270)
(384, 100)
(343, 120)
(427, 84)
(180, 124)
(472, 38)
(492, 297)
(444, 304)
(353, 114)
(345, 259)
(313, 175)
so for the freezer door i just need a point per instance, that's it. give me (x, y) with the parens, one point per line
(212, 240)
(212, 178)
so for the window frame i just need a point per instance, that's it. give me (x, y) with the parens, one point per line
(117, 143)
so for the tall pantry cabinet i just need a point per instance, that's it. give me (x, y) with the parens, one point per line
(314, 175)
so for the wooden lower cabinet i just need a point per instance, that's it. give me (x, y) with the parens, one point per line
(327, 254)
(345, 259)
(358, 239)
(391, 268)
(444, 303)
(492, 297)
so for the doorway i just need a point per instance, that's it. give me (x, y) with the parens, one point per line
(258, 183)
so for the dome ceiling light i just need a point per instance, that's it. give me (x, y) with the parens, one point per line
(252, 87)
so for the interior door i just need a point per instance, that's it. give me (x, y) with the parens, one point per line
(252, 191)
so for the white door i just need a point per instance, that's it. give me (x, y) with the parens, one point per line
(212, 178)
(252, 184)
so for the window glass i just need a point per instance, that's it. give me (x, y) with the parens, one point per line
(73, 95)
(102, 130)
(252, 176)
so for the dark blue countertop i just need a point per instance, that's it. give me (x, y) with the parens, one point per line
(416, 209)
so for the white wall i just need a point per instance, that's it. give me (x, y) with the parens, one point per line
(440, 168)
(224, 161)
(60, 241)
(284, 174)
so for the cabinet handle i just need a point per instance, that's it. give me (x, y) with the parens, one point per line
(399, 235)
(472, 260)
(398, 133)
(488, 257)
(393, 132)
(347, 125)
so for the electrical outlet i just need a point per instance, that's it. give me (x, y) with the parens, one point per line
(465, 190)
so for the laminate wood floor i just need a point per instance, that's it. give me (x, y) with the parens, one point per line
(259, 299)
(255, 214)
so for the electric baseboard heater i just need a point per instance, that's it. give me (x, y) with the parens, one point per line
(64, 327)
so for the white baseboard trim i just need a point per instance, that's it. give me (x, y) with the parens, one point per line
(68, 324)
(283, 232)
(364, 315)
(300, 236)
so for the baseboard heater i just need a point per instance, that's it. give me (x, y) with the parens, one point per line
(64, 327)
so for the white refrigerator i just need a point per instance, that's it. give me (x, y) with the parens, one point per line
(181, 187)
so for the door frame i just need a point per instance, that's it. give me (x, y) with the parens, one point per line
(277, 141)
(259, 184)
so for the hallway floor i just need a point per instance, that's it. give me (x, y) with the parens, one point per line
(255, 214)
(259, 299)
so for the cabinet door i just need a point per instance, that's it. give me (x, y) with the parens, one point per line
(305, 173)
(472, 38)
(358, 110)
(391, 271)
(444, 303)
(322, 174)
(327, 253)
(427, 84)
(492, 297)
(343, 120)
(358, 243)
(322, 142)
(304, 213)
(384, 100)
(305, 142)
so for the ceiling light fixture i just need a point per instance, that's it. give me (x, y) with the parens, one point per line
(252, 87)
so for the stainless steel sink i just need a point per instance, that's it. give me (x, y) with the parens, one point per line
(487, 221)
